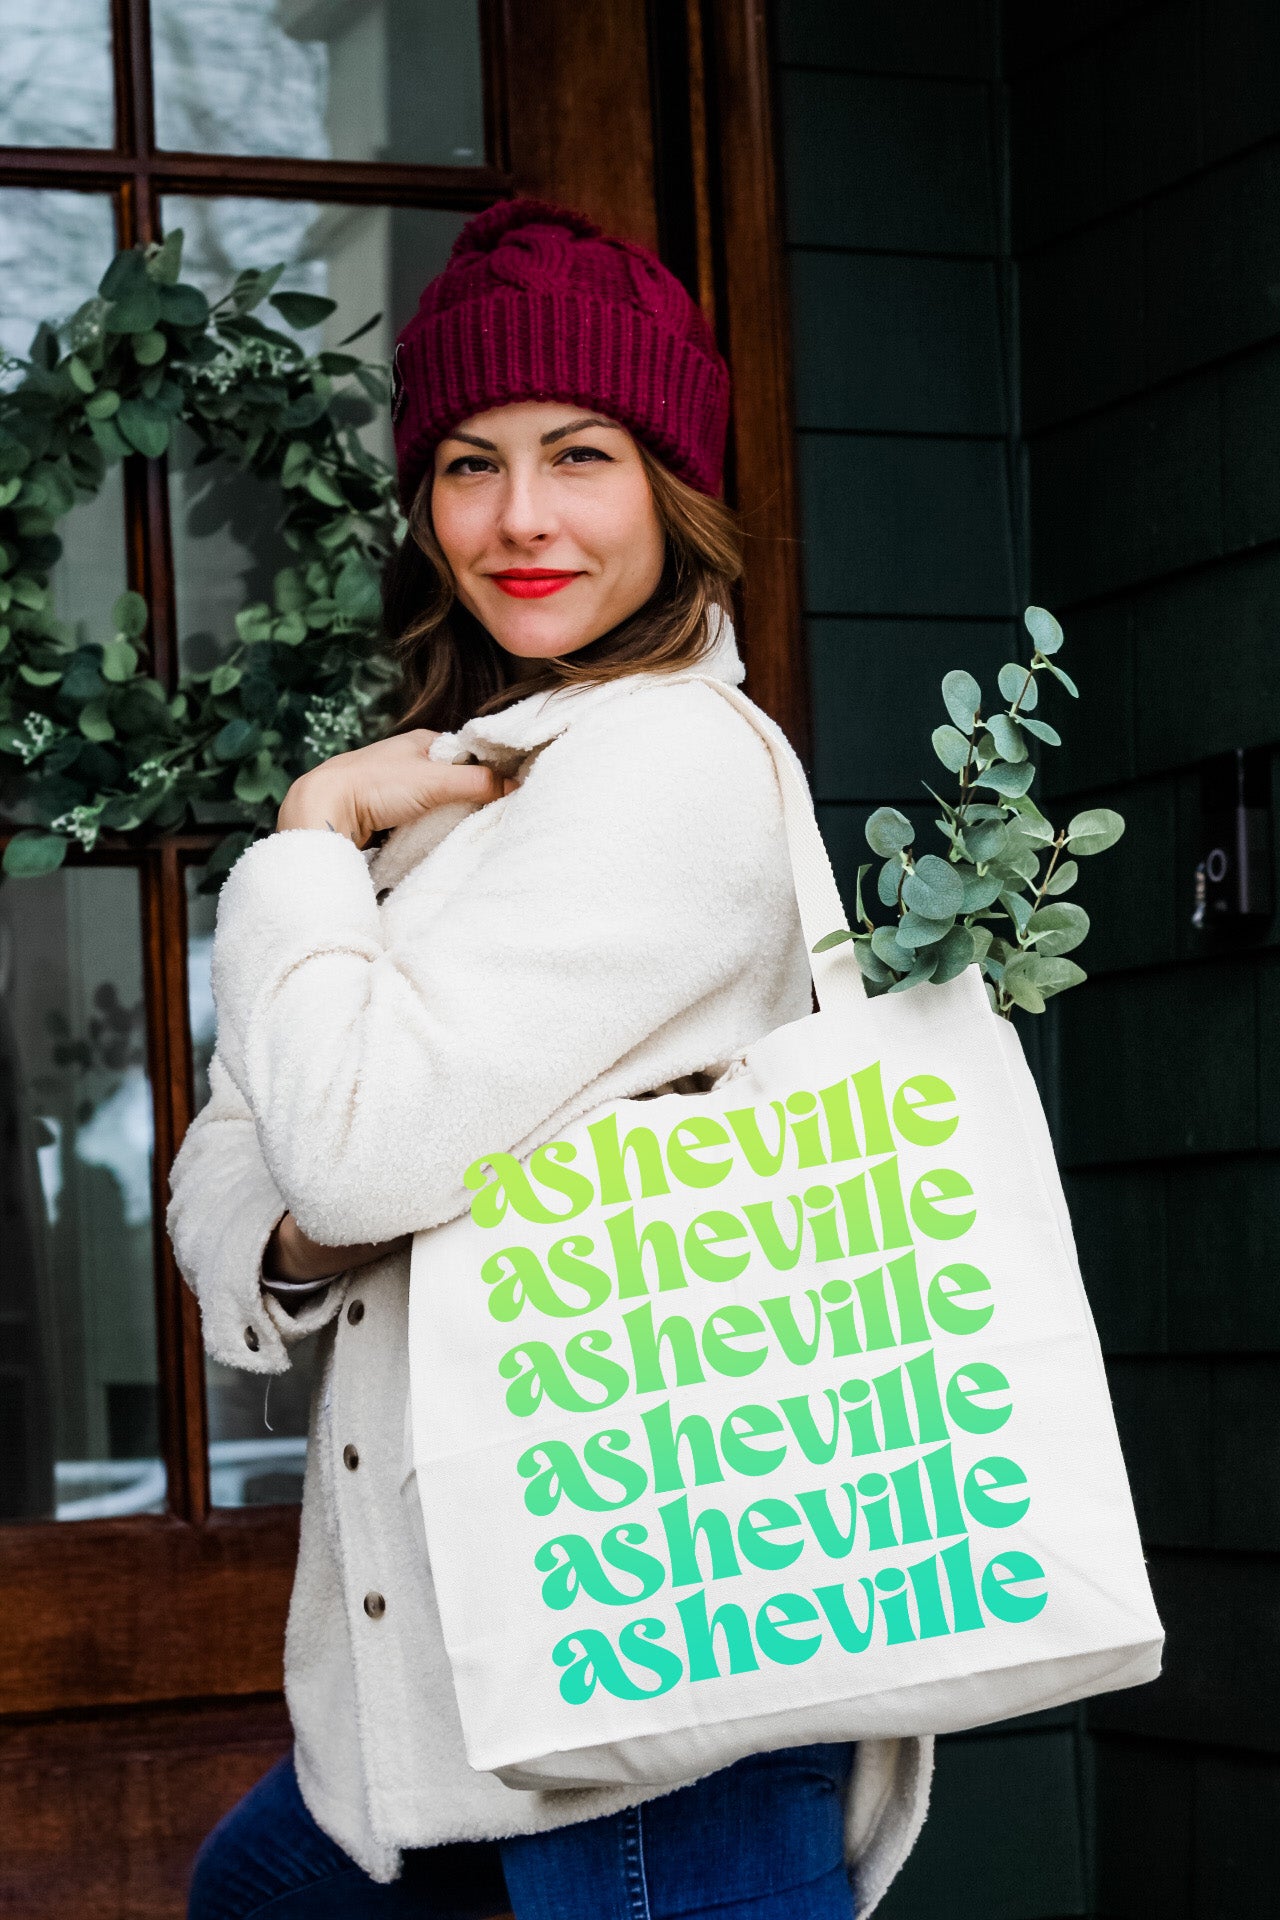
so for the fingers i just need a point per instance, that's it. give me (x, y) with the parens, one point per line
(473, 783)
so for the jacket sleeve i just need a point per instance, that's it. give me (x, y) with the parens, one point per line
(624, 882)
(224, 1204)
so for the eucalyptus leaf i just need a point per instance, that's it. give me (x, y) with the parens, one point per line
(888, 831)
(924, 969)
(951, 747)
(1017, 908)
(987, 841)
(303, 310)
(829, 940)
(982, 891)
(1011, 781)
(1063, 878)
(885, 946)
(119, 660)
(1042, 730)
(321, 487)
(955, 952)
(981, 937)
(95, 722)
(1058, 928)
(1065, 678)
(236, 739)
(145, 426)
(32, 853)
(872, 969)
(149, 348)
(860, 911)
(1043, 628)
(934, 889)
(888, 880)
(129, 615)
(1019, 984)
(1010, 744)
(183, 306)
(225, 678)
(1094, 831)
(915, 931)
(962, 697)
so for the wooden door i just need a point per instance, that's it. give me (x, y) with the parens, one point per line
(141, 1629)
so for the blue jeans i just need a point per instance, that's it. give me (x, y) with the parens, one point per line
(760, 1840)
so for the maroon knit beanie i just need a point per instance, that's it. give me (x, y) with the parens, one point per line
(537, 303)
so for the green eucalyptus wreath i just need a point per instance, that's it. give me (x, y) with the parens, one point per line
(88, 736)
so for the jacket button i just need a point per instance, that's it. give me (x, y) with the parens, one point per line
(350, 1458)
(374, 1605)
(355, 1312)
(251, 1339)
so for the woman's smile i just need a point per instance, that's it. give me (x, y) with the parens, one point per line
(532, 583)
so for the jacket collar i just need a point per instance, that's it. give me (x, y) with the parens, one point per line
(505, 739)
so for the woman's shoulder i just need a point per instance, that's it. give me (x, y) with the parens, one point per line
(680, 720)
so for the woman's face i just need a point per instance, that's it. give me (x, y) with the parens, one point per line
(544, 513)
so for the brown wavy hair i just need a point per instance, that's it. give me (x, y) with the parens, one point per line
(453, 668)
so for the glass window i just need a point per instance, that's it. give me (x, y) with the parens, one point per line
(257, 1432)
(79, 1396)
(55, 247)
(55, 73)
(395, 80)
(225, 524)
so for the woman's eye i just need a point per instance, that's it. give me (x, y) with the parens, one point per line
(580, 456)
(470, 463)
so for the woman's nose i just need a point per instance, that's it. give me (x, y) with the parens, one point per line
(526, 514)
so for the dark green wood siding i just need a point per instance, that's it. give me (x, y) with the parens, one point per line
(1035, 269)
(1146, 231)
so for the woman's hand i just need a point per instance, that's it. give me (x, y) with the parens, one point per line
(386, 784)
(290, 1255)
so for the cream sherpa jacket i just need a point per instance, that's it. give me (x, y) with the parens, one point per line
(623, 918)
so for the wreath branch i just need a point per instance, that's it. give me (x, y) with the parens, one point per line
(89, 738)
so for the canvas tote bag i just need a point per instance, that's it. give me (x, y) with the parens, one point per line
(774, 1414)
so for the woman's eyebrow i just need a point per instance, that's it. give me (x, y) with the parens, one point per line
(576, 426)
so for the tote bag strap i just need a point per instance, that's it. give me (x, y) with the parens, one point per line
(837, 978)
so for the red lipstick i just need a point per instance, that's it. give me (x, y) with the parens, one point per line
(532, 583)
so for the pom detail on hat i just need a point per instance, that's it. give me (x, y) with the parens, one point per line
(538, 303)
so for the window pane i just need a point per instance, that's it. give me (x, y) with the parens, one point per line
(55, 73)
(55, 247)
(257, 1433)
(79, 1395)
(324, 79)
(226, 544)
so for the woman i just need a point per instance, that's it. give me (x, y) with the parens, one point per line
(584, 895)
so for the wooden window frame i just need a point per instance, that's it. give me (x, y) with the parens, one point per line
(189, 1605)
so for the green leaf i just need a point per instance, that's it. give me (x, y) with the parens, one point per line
(109, 439)
(126, 274)
(164, 263)
(981, 937)
(1043, 628)
(101, 406)
(951, 747)
(1042, 731)
(963, 698)
(829, 940)
(915, 931)
(137, 312)
(1017, 683)
(356, 591)
(1031, 824)
(321, 488)
(145, 426)
(924, 969)
(859, 910)
(297, 464)
(888, 831)
(888, 880)
(1018, 909)
(872, 969)
(366, 326)
(150, 348)
(982, 891)
(95, 722)
(238, 738)
(118, 660)
(32, 853)
(1011, 781)
(290, 629)
(987, 841)
(81, 378)
(256, 778)
(955, 953)
(1020, 986)
(224, 678)
(1094, 831)
(885, 946)
(254, 623)
(1058, 928)
(183, 306)
(1056, 976)
(934, 890)
(1064, 878)
(1010, 744)
(39, 676)
(303, 310)
(1065, 678)
(129, 615)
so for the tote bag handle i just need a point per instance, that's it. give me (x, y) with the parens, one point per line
(837, 978)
